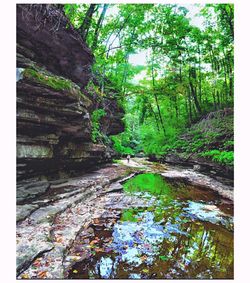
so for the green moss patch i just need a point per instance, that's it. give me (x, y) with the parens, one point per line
(54, 82)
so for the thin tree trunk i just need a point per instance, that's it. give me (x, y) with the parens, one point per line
(218, 98)
(200, 89)
(193, 90)
(230, 80)
(87, 21)
(190, 107)
(225, 80)
(156, 98)
(229, 18)
(125, 71)
(98, 26)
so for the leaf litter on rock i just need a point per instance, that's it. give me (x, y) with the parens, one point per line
(42, 274)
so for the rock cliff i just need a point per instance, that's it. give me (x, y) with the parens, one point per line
(53, 105)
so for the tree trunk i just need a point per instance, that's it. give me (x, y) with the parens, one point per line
(214, 99)
(192, 76)
(190, 107)
(156, 98)
(200, 89)
(98, 26)
(87, 21)
(228, 18)
(230, 80)
(225, 79)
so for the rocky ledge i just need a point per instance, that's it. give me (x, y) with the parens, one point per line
(53, 104)
(48, 225)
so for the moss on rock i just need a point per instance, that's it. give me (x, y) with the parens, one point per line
(55, 82)
(49, 80)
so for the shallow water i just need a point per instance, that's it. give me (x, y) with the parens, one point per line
(186, 233)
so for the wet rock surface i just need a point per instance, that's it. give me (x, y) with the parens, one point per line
(157, 238)
(53, 221)
(197, 179)
(73, 227)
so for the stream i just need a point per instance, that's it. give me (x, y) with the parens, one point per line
(141, 220)
(184, 232)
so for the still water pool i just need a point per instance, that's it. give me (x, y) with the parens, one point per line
(186, 233)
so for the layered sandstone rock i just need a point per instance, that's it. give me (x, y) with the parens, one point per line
(53, 106)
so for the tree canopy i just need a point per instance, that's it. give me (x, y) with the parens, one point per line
(188, 70)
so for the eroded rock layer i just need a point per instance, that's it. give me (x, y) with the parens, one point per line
(53, 106)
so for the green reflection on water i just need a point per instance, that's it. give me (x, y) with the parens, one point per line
(151, 183)
(190, 248)
(207, 249)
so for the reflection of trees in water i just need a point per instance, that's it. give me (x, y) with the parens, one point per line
(207, 249)
(191, 248)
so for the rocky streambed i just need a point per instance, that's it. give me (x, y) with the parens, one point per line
(137, 220)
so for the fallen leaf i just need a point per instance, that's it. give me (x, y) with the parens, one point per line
(143, 258)
(75, 271)
(37, 263)
(99, 250)
(25, 276)
(42, 274)
(59, 239)
(145, 270)
(93, 242)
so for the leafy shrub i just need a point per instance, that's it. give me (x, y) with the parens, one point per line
(195, 146)
(229, 144)
(222, 157)
(96, 116)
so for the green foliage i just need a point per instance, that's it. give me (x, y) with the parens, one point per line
(189, 72)
(223, 157)
(95, 118)
(229, 144)
(153, 143)
(119, 147)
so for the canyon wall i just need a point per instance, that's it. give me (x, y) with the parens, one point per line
(53, 104)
